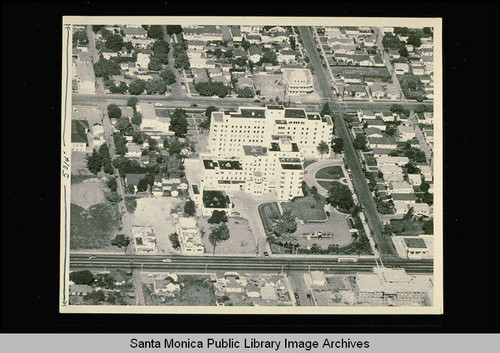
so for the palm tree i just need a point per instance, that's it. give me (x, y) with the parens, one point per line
(218, 235)
(323, 148)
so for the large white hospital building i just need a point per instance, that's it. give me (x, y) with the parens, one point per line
(263, 149)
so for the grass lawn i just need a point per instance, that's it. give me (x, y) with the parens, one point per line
(332, 173)
(325, 183)
(268, 212)
(197, 290)
(307, 208)
(93, 228)
(78, 178)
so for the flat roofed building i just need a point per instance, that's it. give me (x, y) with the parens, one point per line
(85, 77)
(298, 81)
(189, 236)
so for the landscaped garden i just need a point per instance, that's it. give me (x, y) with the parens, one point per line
(309, 208)
(331, 173)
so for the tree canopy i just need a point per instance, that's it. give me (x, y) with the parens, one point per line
(189, 208)
(81, 277)
(94, 162)
(155, 32)
(168, 76)
(212, 88)
(105, 68)
(339, 195)
(179, 123)
(338, 145)
(218, 217)
(323, 148)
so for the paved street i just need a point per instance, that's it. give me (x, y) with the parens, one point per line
(424, 146)
(176, 88)
(359, 180)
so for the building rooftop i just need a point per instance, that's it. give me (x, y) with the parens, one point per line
(255, 150)
(295, 113)
(250, 113)
(210, 164)
(403, 197)
(313, 116)
(230, 165)
(215, 199)
(275, 107)
(78, 133)
(415, 243)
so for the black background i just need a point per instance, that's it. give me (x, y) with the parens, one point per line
(31, 113)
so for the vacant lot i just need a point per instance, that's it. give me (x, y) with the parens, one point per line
(87, 193)
(79, 165)
(268, 212)
(307, 208)
(330, 173)
(93, 228)
(156, 212)
(270, 86)
(241, 240)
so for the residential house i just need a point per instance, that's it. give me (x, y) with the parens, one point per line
(254, 53)
(426, 172)
(204, 33)
(376, 123)
(393, 91)
(400, 187)
(373, 132)
(377, 90)
(133, 179)
(356, 91)
(422, 209)
(415, 179)
(79, 131)
(134, 32)
(143, 58)
(287, 56)
(401, 68)
(405, 133)
(390, 160)
(390, 169)
(378, 61)
(80, 289)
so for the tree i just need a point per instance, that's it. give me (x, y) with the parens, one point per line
(94, 162)
(240, 61)
(245, 44)
(80, 38)
(189, 208)
(120, 144)
(155, 64)
(113, 197)
(96, 28)
(182, 61)
(130, 189)
(174, 29)
(323, 148)
(155, 32)
(123, 123)
(209, 110)
(218, 234)
(156, 86)
(111, 184)
(425, 186)
(360, 142)
(228, 53)
(142, 185)
(338, 145)
(340, 196)
(269, 57)
(285, 225)
(95, 297)
(218, 217)
(114, 111)
(81, 277)
(168, 76)
(414, 39)
(428, 227)
(121, 240)
(293, 43)
(384, 207)
(136, 119)
(411, 169)
(137, 86)
(246, 92)
(179, 123)
(104, 280)
(326, 110)
(114, 42)
(174, 239)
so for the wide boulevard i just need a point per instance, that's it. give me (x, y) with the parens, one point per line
(239, 263)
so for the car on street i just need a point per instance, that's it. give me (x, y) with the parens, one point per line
(166, 260)
(92, 257)
(266, 254)
(235, 213)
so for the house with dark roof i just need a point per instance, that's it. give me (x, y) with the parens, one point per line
(79, 131)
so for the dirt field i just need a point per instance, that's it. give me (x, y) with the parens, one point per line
(87, 193)
(79, 164)
(155, 212)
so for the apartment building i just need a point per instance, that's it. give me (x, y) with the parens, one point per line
(298, 81)
(189, 236)
(259, 126)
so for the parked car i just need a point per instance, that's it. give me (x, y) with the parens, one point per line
(266, 254)
(166, 260)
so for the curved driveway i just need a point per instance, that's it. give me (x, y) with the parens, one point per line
(312, 169)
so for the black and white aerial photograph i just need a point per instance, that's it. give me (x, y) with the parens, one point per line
(251, 165)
